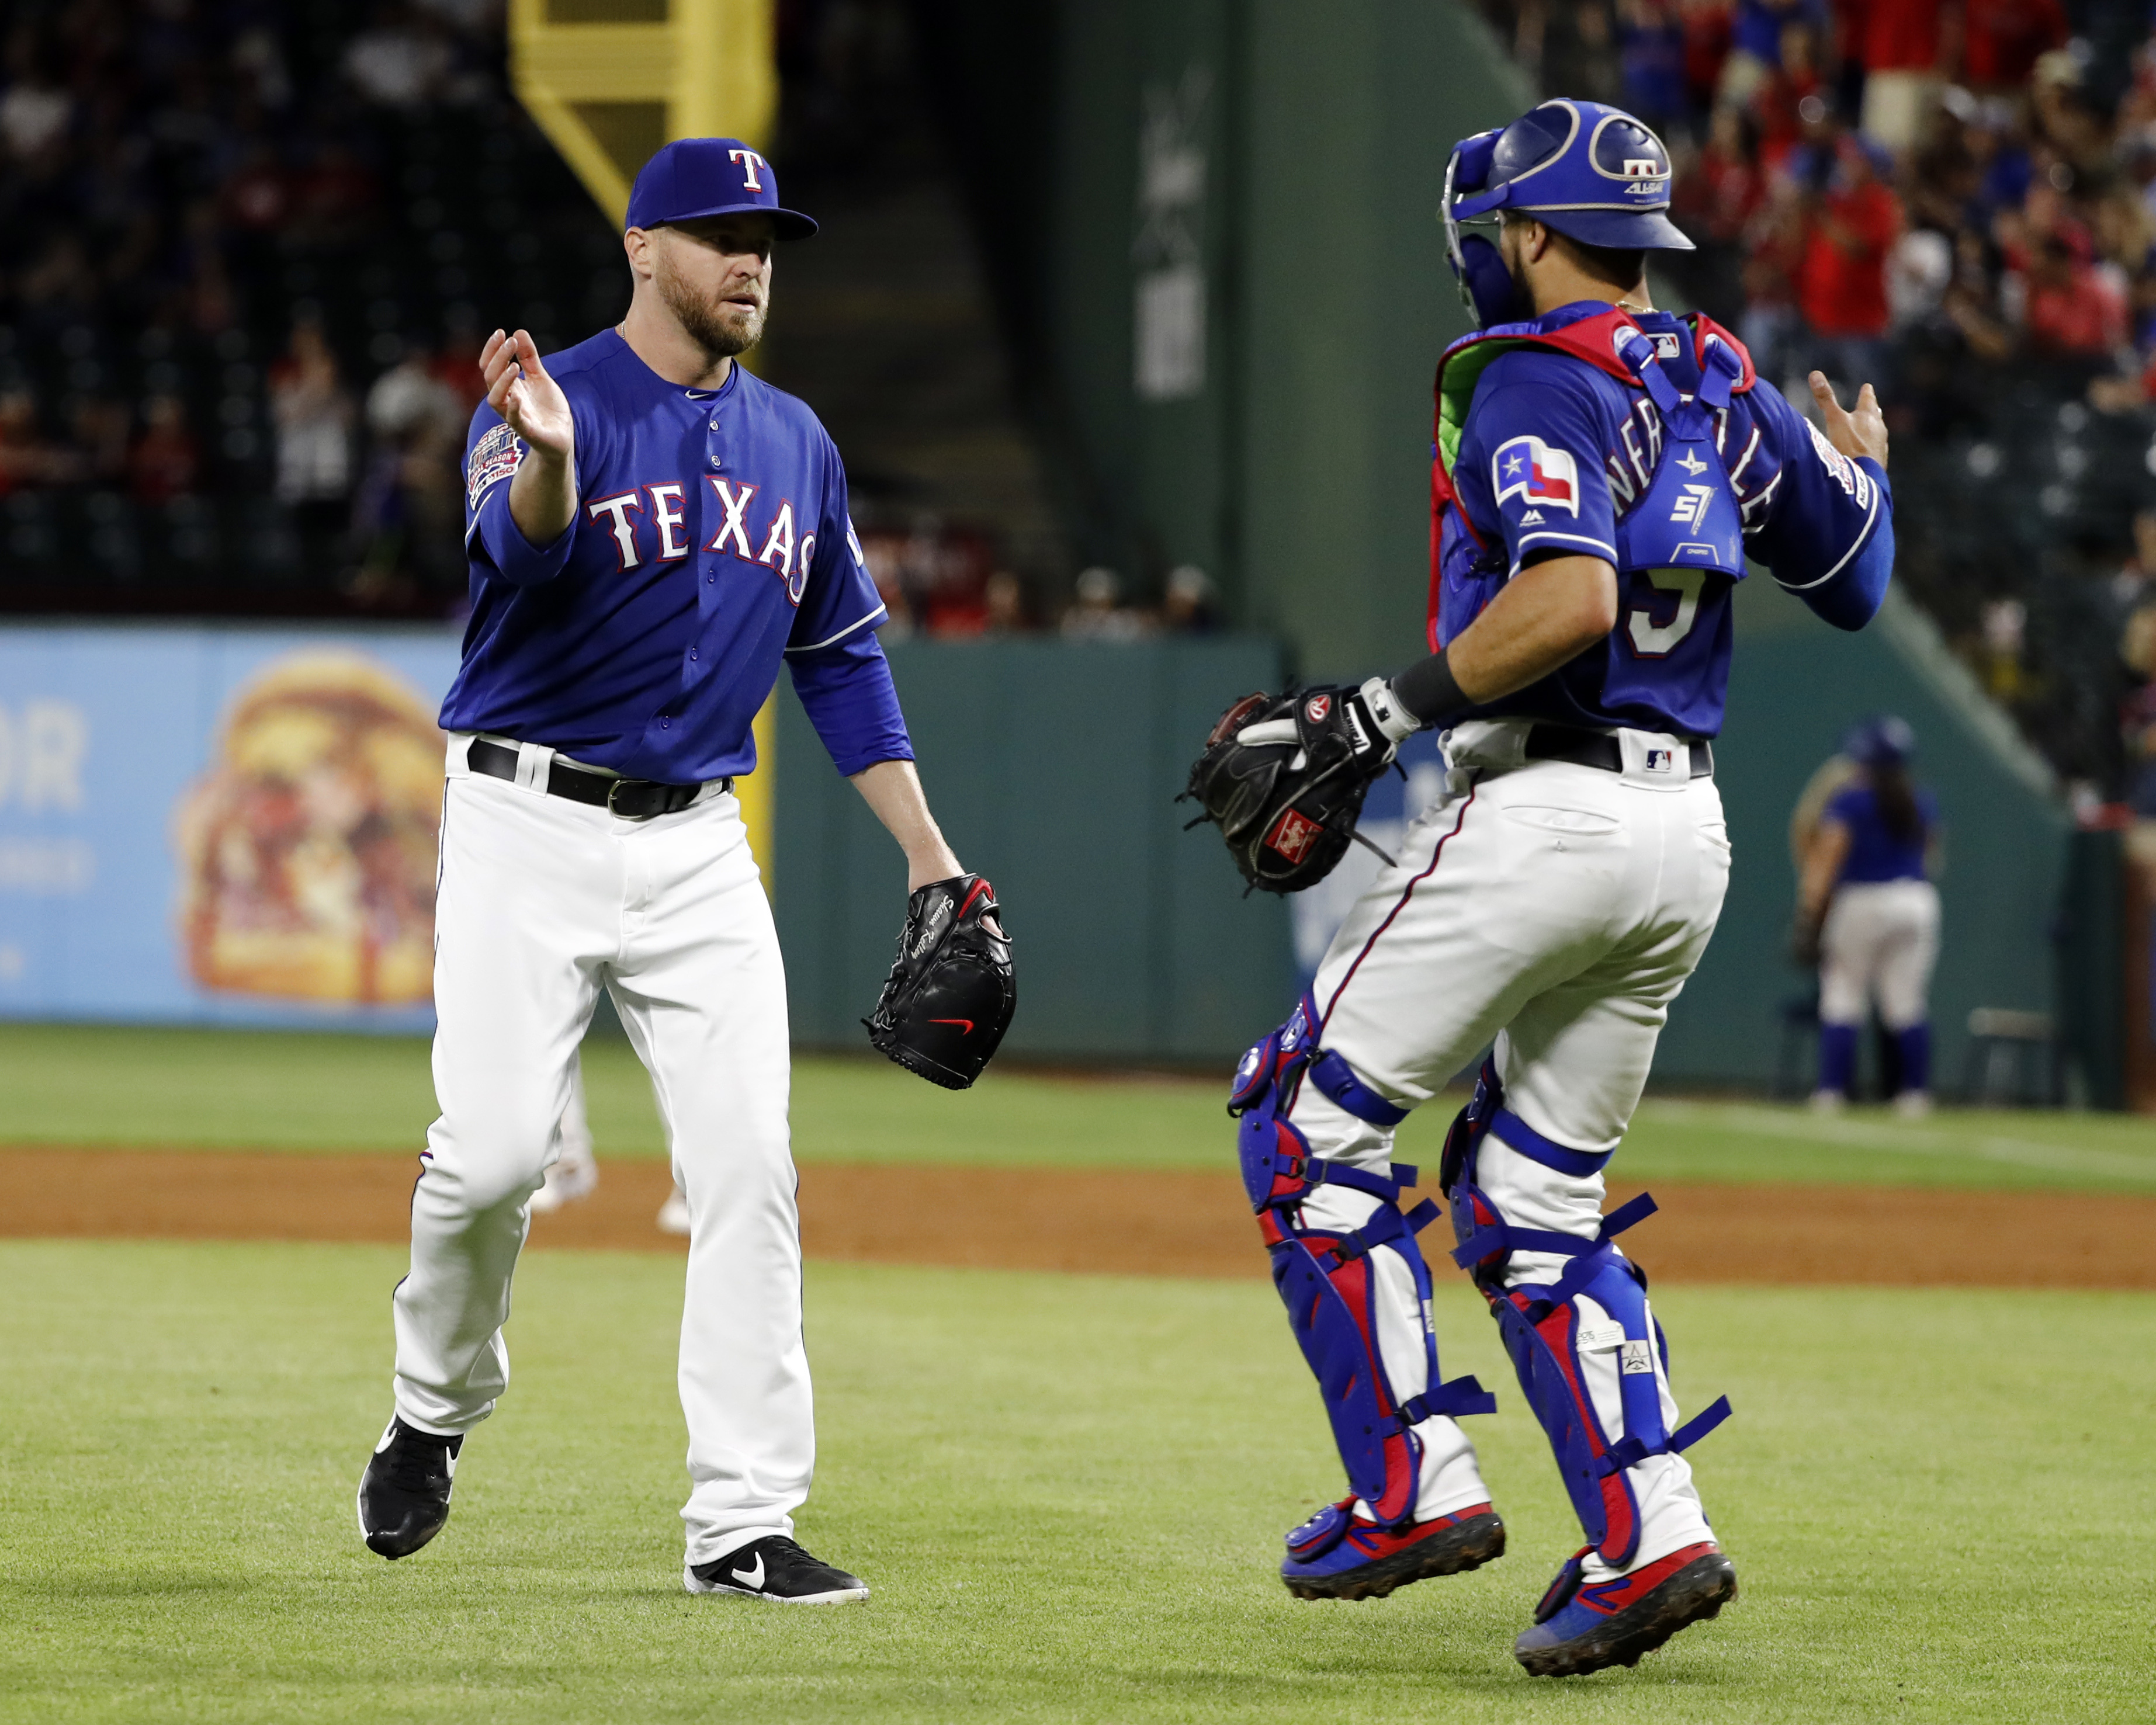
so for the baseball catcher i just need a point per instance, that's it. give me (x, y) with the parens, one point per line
(1604, 475)
(949, 998)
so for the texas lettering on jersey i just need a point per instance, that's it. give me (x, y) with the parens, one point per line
(648, 524)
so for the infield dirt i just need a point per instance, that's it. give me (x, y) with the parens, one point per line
(1134, 1224)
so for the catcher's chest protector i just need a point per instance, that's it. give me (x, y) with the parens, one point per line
(1325, 1278)
(1565, 1337)
(1687, 529)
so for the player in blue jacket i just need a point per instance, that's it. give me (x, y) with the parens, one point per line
(1867, 908)
(1602, 472)
(653, 532)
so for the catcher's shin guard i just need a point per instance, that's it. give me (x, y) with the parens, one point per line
(1325, 1277)
(1565, 1337)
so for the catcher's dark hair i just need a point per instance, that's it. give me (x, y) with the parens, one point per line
(1621, 267)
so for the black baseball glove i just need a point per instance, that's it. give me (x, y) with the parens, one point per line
(1284, 777)
(949, 998)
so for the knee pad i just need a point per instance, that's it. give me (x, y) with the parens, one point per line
(1325, 1277)
(1548, 1338)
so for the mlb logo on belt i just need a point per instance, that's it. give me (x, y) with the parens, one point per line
(1527, 467)
(1661, 760)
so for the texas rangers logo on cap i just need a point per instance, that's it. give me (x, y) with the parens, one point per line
(1527, 467)
(710, 176)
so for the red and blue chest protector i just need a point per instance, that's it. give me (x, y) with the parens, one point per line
(1645, 440)
(710, 544)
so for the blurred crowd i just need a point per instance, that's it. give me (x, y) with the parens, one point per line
(237, 324)
(1956, 201)
(947, 581)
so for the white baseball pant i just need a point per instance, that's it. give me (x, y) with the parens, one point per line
(1557, 908)
(542, 902)
(1879, 944)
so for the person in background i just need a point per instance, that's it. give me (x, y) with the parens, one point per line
(1005, 596)
(1854, 219)
(1868, 914)
(314, 416)
(1191, 604)
(165, 462)
(1096, 612)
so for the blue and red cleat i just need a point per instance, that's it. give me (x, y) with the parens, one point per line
(1334, 1556)
(1581, 1629)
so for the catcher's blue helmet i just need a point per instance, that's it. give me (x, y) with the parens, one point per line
(1591, 172)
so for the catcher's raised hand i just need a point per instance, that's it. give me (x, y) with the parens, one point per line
(950, 996)
(1862, 430)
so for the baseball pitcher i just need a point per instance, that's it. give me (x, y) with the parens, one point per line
(1603, 471)
(652, 531)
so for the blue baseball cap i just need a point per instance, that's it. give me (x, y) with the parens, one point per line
(710, 176)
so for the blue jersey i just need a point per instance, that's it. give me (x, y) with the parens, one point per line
(1874, 853)
(710, 542)
(1558, 454)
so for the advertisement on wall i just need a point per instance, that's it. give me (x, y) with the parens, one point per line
(220, 825)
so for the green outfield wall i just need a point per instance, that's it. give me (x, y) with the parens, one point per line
(1053, 770)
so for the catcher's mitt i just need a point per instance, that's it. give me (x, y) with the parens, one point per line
(1287, 800)
(949, 998)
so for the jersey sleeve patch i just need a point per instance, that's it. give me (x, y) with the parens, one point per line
(494, 458)
(1851, 477)
(1527, 467)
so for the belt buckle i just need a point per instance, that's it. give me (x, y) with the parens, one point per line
(612, 788)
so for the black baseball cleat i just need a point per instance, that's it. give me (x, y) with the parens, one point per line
(1581, 1629)
(404, 1494)
(775, 1568)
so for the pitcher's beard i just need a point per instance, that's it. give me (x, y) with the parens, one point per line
(722, 330)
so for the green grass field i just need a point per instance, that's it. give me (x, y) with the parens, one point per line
(1066, 1493)
(78, 1085)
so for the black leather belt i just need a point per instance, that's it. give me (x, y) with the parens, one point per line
(1598, 748)
(630, 798)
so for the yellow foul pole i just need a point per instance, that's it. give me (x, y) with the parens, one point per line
(609, 81)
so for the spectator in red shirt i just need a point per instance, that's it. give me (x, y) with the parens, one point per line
(1905, 46)
(1852, 222)
(1771, 329)
(2072, 310)
(1707, 24)
(1717, 198)
(2004, 38)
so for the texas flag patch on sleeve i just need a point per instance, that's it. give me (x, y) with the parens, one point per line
(1527, 467)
